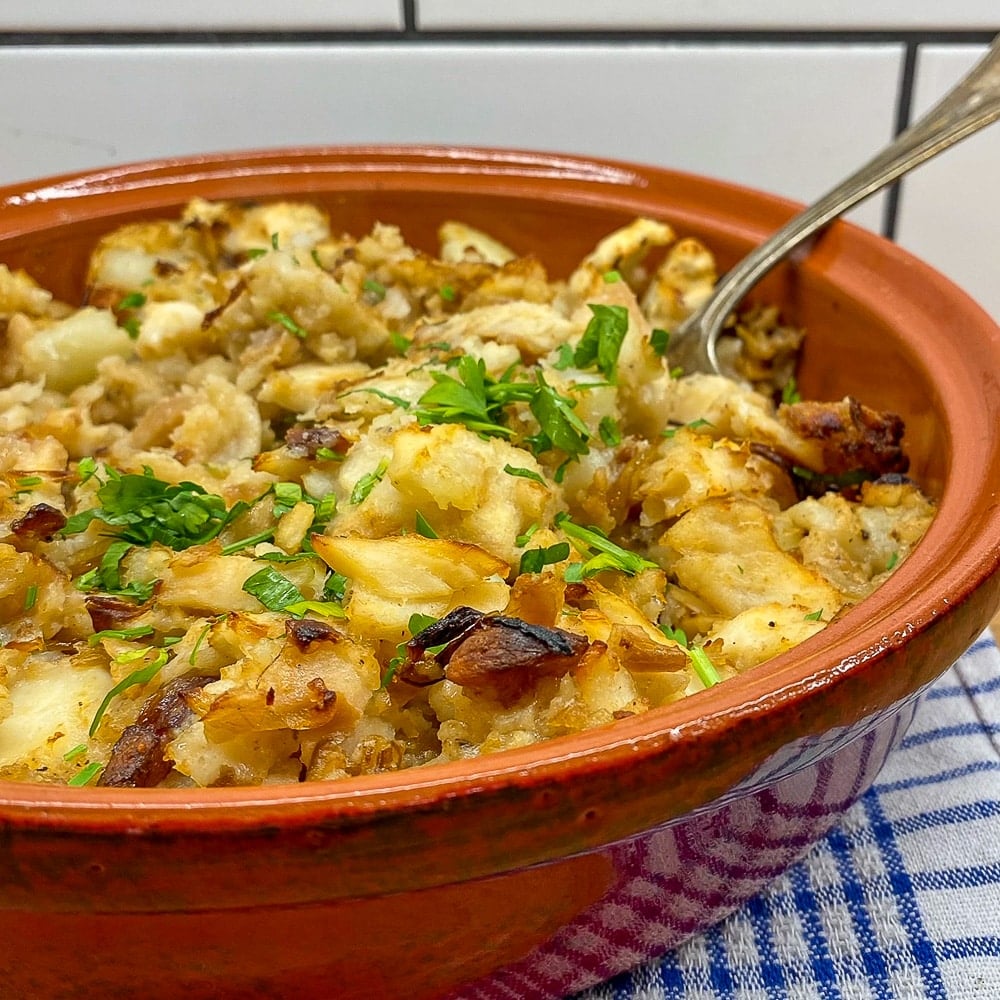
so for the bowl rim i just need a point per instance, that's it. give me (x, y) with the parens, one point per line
(788, 681)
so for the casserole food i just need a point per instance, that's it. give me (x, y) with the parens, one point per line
(286, 504)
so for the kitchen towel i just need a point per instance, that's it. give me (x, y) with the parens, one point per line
(900, 902)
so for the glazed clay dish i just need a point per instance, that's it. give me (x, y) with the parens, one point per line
(538, 871)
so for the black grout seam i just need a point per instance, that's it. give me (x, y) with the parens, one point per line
(904, 112)
(410, 34)
(409, 12)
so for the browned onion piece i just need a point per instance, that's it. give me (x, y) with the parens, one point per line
(137, 759)
(39, 522)
(505, 656)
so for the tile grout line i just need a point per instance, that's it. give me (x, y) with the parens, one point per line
(904, 112)
(411, 34)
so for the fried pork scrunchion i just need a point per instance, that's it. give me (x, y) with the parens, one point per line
(852, 436)
(137, 760)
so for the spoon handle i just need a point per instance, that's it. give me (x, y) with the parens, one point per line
(972, 104)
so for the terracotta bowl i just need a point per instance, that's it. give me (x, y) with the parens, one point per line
(531, 873)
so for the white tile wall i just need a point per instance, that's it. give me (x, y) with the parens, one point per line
(950, 207)
(141, 15)
(790, 119)
(718, 14)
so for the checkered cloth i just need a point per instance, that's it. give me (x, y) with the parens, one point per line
(900, 902)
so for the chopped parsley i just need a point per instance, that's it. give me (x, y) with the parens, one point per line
(602, 554)
(447, 293)
(534, 560)
(134, 300)
(85, 775)
(700, 661)
(790, 392)
(521, 540)
(288, 323)
(610, 432)
(368, 482)
(659, 340)
(30, 596)
(273, 589)
(514, 470)
(564, 358)
(396, 400)
(423, 526)
(893, 560)
(141, 675)
(149, 510)
(106, 576)
(399, 342)
(136, 632)
(374, 290)
(814, 616)
(602, 340)
(692, 425)
(560, 427)
(611, 277)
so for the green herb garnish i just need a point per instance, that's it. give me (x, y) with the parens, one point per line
(423, 527)
(149, 510)
(368, 482)
(106, 576)
(85, 775)
(30, 596)
(136, 632)
(602, 340)
(534, 560)
(659, 340)
(274, 590)
(514, 470)
(700, 661)
(790, 392)
(288, 323)
(142, 675)
(602, 553)
(610, 432)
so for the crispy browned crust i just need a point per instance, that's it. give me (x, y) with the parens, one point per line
(852, 436)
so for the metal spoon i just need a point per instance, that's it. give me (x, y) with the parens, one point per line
(971, 105)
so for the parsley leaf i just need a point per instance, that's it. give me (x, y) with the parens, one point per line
(136, 632)
(149, 510)
(701, 662)
(602, 553)
(423, 526)
(514, 470)
(610, 432)
(659, 340)
(288, 323)
(561, 427)
(602, 340)
(141, 675)
(274, 590)
(534, 560)
(106, 576)
(368, 482)
(790, 392)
